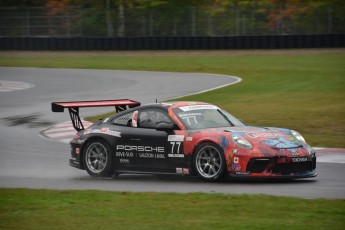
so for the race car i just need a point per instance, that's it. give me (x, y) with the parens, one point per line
(187, 138)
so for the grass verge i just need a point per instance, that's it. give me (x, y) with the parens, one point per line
(304, 92)
(46, 209)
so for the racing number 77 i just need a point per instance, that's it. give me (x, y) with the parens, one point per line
(178, 146)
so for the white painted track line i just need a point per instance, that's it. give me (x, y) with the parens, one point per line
(7, 86)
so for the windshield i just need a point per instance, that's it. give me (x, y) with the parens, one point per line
(205, 116)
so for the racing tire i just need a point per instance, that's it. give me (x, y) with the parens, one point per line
(209, 162)
(97, 159)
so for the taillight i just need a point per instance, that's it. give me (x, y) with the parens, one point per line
(77, 150)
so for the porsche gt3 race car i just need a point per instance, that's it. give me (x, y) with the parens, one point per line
(188, 138)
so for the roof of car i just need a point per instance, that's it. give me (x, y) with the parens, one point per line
(183, 103)
(175, 104)
(165, 105)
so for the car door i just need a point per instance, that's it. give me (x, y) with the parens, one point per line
(154, 146)
(143, 148)
(125, 155)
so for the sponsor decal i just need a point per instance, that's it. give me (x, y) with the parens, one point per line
(176, 155)
(184, 171)
(124, 154)
(140, 148)
(236, 160)
(183, 115)
(234, 151)
(152, 155)
(130, 151)
(175, 138)
(299, 159)
(106, 131)
(179, 170)
(197, 107)
(189, 138)
(166, 104)
(270, 135)
(80, 141)
(124, 161)
(236, 167)
(243, 173)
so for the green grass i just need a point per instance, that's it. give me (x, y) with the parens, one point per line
(305, 92)
(46, 209)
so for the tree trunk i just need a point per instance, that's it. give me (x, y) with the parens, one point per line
(110, 31)
(121, 28)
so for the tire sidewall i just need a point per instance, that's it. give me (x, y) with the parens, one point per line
(220, 173)
(108, 169)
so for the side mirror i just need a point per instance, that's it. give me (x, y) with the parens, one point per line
(163, 126)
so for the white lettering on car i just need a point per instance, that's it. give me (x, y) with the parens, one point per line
(299, 159)
(140, 148)
(197, 107)
(106, 131)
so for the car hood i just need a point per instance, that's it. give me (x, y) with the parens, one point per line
(271, 137)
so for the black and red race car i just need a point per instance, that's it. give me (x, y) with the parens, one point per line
(189, 138)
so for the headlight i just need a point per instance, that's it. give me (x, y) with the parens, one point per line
(297, 135)
(241, 142)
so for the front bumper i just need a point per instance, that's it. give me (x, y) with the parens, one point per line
(279, 167)
(248, 175)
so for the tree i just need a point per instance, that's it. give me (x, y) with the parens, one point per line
(22, 3)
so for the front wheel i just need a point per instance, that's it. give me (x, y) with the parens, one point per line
(97, 159)
(209, 162)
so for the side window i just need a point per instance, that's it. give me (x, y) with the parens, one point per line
(123, 120)
(150, 118)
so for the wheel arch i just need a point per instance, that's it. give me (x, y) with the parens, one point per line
(222, 156)
(206, 140)
(195, 148)
(83, 147)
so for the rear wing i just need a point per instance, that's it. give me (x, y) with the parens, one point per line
(73, 108)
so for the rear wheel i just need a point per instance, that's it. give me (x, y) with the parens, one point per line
(209, 162)
(97, 159)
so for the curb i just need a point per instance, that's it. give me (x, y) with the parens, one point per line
(329, 150)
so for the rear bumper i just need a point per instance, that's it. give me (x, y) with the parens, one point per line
(74, 163)
(75, 159)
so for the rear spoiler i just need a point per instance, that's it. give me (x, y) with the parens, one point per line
(73, 108)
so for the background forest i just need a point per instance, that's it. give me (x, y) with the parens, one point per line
(141, 18)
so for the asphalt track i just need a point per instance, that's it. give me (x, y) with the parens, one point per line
(28, 161)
